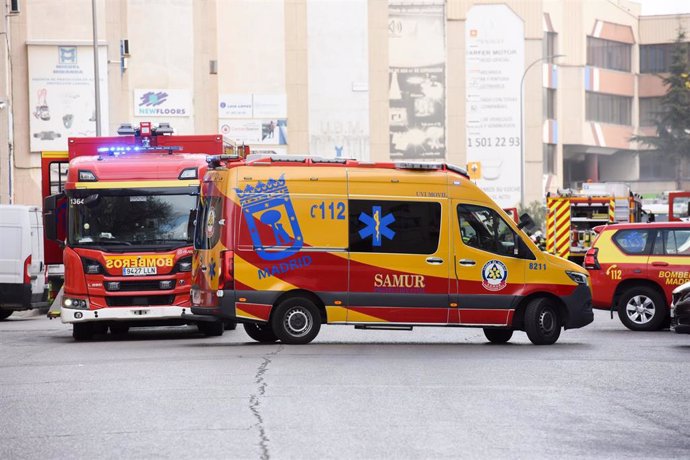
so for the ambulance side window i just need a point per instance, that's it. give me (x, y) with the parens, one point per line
(399, 227)
(483, 228)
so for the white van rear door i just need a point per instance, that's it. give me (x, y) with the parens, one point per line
(37, 262)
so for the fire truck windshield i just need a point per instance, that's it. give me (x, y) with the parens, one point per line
(131, 221)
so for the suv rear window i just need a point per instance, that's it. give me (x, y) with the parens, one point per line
(633, 241)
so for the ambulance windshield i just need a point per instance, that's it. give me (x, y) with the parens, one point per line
(161, 221)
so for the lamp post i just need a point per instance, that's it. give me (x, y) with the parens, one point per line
(96, 77)
(522, 135)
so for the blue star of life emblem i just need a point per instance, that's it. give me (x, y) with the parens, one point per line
(376, 226)
(213, 269)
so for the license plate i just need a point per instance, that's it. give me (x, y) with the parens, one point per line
(138, 271)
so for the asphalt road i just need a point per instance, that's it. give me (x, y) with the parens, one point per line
(600, 392)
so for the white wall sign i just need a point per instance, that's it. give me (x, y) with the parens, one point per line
(255, 131)
(252, 106)
(162, 103)
(270, 106)
(235, 106)
(61, 94)
(494, 63)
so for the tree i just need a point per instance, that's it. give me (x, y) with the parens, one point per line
(673, 121)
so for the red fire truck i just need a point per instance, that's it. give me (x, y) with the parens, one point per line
(119, 213)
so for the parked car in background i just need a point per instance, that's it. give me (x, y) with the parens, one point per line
(635, 268)
(680, 309)
(22, 268)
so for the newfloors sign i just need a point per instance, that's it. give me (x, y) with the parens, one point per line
(162, 103)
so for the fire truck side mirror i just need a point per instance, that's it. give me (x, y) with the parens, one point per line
(51, 217)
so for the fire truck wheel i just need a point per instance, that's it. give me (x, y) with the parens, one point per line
(82, 331)
(211, 329)
(4, 314)
(542, 323)
(498, 335)
(296, 321)
(119, 329)
(642, 309)
(260, 332)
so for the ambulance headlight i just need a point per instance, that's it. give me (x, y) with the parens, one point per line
(579, 278)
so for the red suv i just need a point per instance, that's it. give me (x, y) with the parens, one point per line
(635, 267)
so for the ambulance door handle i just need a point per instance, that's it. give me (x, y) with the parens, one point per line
(434, 260)
(659, 263)
(467, 262)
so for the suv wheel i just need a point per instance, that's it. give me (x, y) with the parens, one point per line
(642, 309)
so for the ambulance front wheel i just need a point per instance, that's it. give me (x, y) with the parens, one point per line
(498, 335)
(542, 322)
(260, 332)
(296, 321)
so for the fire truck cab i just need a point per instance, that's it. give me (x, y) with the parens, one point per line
(123, 223)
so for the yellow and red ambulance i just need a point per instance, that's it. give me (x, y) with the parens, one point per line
(285, 244)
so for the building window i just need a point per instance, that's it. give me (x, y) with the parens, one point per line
(549, 45)
(607, 108)
(650, 110)
(608, 54)
(657, 58)
(549, 159)
(549, 104)
(400, 227)
(655, 166)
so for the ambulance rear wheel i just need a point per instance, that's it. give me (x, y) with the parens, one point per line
(296, 321)
(82, 331)
(542, 322)
(498, 335)
(642, 309)
(260, 332)
(4, 314)
(211, 329)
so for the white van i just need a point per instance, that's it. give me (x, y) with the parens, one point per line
(22, 268)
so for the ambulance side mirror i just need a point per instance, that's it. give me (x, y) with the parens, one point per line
(191, 222)
(526, 221)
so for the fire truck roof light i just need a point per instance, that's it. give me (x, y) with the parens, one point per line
(126, 129)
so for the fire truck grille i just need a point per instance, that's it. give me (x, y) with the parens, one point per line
(138, 286)
(135, 301)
